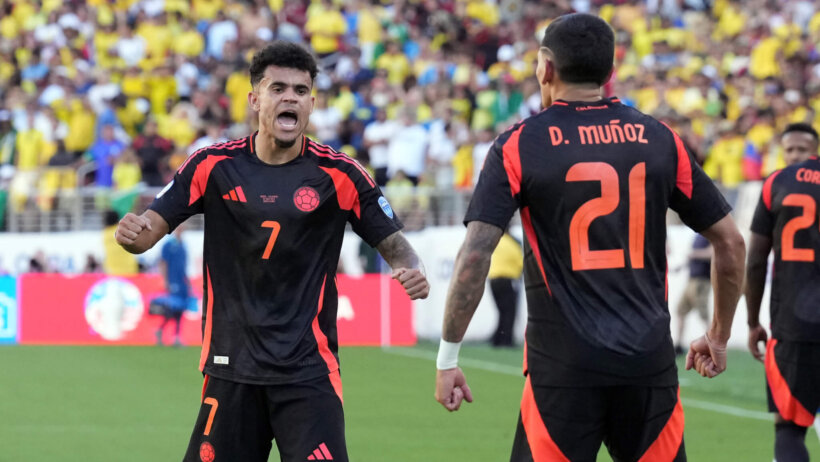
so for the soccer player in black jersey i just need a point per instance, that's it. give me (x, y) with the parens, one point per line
(593, 180)
(786, 220)
(275, 206)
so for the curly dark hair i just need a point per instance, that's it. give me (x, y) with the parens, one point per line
(282, 54)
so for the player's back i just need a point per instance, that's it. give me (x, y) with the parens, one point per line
(789, 214)
(593, 182)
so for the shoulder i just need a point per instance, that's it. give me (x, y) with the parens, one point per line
(217, 151)
(329, 160)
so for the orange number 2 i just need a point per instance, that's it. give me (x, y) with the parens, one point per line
(582, 257)
(214, 405)
(274, 233)
(809, 206)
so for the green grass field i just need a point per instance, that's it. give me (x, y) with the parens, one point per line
(125, 404)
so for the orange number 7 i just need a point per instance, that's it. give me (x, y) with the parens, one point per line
(214, 405)
(274, 233)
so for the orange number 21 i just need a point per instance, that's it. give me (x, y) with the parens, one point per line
(582, 257)
(274, 233)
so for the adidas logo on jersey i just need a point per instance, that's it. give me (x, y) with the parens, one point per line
(320, 453)
(236, 195)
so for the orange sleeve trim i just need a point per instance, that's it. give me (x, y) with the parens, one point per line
(767, 190)
(346, 193)
(209, 320)
(326, 151)
(526, 221)
(684, 175)
(512, 161)
(667, 445)
(201, 175)
(541, 444)
(787, 405)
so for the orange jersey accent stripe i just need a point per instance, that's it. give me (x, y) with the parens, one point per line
(684, 176)
(201, 174)
(667, 444)
(787, 405)
(336, 381)
(767, 190)
(512, 161)
(206, 336)
(234, 197)
(346, 192)
(321, 339)
(542, 446)
(525, 366)
(559, 103)
(325, 151)
(204, 386)
(241, 194)
(526, 221)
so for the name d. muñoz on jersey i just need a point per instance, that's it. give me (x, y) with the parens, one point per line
(593, 182)
(273, 234)
(787, 212)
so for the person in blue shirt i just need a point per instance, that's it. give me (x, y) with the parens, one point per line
(172, 264)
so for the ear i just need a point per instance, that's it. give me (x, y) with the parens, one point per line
(549, 71)
(312, 103)
(253, 100)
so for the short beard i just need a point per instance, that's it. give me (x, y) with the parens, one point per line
(284, 144)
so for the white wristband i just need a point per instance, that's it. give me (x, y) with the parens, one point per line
(447, 355)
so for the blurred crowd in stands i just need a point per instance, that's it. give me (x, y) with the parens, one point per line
(416, 90)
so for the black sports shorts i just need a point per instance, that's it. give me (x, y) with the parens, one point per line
(238, 421)
(793, 380)
(569, 424)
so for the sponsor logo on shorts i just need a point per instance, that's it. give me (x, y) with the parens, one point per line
(320, 453)
(221, 360)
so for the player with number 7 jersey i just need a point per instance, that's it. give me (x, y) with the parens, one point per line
(276, 205)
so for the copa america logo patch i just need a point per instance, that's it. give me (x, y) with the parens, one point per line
(386, 207)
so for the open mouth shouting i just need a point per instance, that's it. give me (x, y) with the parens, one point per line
(287, 120)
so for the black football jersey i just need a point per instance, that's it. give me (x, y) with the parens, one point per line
(273, 234)
(593, 182)
(787, 212)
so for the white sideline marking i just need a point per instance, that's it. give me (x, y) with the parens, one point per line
(516, 371)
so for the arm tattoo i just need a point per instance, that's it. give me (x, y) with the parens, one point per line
(469, 276)
(398, 252)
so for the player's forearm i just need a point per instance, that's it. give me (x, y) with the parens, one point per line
(469, 276)
(755, 283)
(398, 253)
(727, 274)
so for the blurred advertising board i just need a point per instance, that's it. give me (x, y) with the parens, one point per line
(8, 309)
(95, 309)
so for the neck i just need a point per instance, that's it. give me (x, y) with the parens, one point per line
(269, 152)
(582, 92)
